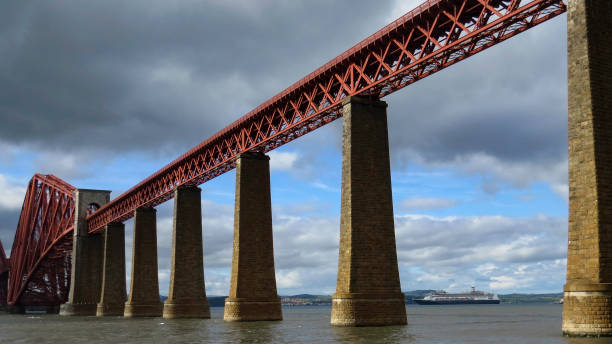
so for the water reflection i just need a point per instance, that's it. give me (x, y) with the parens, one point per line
(383, 334)
(254, 332)
(605, 340)
(524, 324)
(189, 330)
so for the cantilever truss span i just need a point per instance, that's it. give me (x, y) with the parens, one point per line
(4, 271)
(41, 252)
(431, 37)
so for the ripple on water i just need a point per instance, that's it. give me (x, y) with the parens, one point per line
(510, 324)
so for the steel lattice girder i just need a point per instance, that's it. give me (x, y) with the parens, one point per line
(42, 243)
(4, 262)
(431, 37)
(4, 271)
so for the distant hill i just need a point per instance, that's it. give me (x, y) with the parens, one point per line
(531, 298)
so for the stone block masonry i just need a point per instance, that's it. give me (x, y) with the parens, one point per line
(112, 299)
(368, 291)
(87, 258)
(252, 293)
(187, 295)
(587, 308)
(144, 285)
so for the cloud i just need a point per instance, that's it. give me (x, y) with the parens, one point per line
(12, 195)
(424, 240)
(157, 77)
(66, 165)
(157, 82)
(562, 189)
(420, 203)
(282, 161)
(496, 252)
(496, 114)
(289, 279)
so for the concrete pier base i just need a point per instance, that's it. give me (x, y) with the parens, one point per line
(187, 295)
(252, 295)
(587, 310)
(144, 285)
(112, 300)
(368, 291)
(87, 258)
(237, 309)
(587, 306)
(355, 309)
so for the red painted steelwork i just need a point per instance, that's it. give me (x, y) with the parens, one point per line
(427, 39)
(4, 271)
(4, 262)
(40, 267)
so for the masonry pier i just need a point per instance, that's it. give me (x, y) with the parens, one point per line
(112, 299)
(368, 291)
(87, 257)
(587, 307)
(187, 295)
(144, 285)
(252, 293)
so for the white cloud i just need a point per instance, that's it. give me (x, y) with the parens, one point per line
(401, 7)
(503, 254)
(65, 165)
(485, 269)
(288, 279)
(420, 203)
(11, 195)
(324, 187)
(282, 161)
(503, 282)
(479, 239)
(561, 189)
(8, 152)
(518, 174)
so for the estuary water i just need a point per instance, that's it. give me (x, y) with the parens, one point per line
(537, 324)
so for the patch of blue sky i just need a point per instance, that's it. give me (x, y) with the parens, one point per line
(19, 167)
(444, 192)
(314, 188)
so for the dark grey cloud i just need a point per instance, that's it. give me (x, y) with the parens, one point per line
(148, 76)
(159, 77)
(507, 104)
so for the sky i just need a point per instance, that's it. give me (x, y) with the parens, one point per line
(103, 94)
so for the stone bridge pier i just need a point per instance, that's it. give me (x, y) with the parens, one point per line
(87, 257)
(252, 293)
(587, 307)
(112, 295)
(187, 295)
(144, 285)
(368, 291)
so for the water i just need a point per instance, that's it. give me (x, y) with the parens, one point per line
(526, 324)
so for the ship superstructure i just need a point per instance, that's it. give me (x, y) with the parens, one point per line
(474, 296)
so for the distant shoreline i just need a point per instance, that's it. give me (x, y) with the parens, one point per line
(302, 300)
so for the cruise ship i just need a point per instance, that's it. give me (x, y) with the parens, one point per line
(473, 297)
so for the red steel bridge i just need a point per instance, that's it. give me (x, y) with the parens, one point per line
(433, 36)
